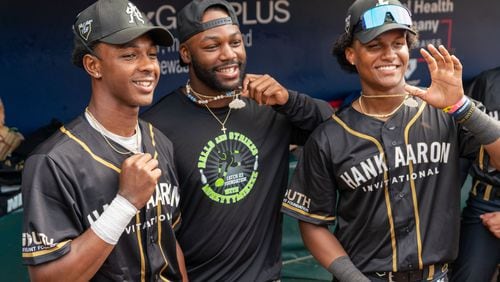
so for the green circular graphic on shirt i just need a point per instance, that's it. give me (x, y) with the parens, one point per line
(228, 167)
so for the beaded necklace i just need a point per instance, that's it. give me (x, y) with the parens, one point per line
(189, 90)
(201, 99)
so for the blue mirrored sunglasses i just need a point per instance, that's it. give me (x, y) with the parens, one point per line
(380, 14)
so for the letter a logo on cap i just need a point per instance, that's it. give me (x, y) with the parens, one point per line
(133, 11)
(85, 28)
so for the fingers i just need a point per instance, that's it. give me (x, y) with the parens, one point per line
(142, 165)
(457, 64)
(138, 160)
(256, 86)
(246, 81)
(415, 91)
(138, 178)
(151, 166)
(486, 216)
(440, 58)
(431, 62)
(436, 54)
(492, 222)
(264, 89)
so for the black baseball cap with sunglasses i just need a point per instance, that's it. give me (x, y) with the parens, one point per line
(367, 19)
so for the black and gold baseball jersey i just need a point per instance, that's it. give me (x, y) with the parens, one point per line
(486, 88)
(392, 187)
(69, 181)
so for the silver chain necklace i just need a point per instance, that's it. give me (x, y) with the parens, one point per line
(100, 129)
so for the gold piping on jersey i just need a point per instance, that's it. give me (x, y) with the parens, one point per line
(86, 148)
(321, 217)
(386, 188)
(430, 276)
(44, 252)
(151, 132)
(474, 188)
(158, 209)
(489, 188)
(176, 221)
(487, 192)
(141, 251)
(414, 189)
(481, 158)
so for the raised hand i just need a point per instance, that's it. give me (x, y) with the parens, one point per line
(446, 78)
(138, 179)
(264, 90)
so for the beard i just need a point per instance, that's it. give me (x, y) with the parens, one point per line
(209, 78)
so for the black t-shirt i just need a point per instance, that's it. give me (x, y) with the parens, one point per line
(232, 184)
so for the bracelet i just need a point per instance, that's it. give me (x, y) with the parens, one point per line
(110, 225)
(467, 115)
(453, 108)
(463, 109)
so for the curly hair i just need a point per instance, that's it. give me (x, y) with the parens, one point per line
(80, 50)
(345, 40)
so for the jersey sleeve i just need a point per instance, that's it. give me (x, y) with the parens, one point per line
(50, 217)
(311, 196)
(305, 114)
(469, 146)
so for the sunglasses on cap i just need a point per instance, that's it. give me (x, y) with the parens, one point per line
(378, 15)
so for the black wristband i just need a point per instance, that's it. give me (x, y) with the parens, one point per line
(486, 129)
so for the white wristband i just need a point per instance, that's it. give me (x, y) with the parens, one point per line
(110, 225)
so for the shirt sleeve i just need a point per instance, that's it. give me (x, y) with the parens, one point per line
(305, 114)
(312, 195)
(51, 219)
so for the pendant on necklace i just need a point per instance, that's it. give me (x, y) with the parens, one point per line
(223, 129)
(237, 103)
(410, 102)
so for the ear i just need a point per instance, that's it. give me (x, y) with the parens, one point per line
(92, 65)
(350, 56)
(185, 54)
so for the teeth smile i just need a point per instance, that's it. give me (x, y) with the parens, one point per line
(387, 68)
(227, 70)
(144, 83)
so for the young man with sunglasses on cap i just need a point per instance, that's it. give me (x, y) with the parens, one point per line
(231, 149)
(386, 168)
(101, 195)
